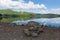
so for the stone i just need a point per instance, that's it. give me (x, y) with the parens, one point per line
(34, 34)
(27, 32)
(33, 29)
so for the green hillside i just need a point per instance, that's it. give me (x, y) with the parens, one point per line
(26, 14)
(7, 11)
(10, 12)
(9, 15)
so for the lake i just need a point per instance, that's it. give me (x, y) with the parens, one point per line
(53, 22)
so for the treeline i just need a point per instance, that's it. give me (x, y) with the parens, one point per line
(47, 15)
(10, 16)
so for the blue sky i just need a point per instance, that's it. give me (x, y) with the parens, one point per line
(36, 6)
(48, 3)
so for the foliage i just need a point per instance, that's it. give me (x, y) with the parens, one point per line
(0, 16)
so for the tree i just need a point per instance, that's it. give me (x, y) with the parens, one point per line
(0, 16)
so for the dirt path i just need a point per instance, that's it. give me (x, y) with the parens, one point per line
(14, 32)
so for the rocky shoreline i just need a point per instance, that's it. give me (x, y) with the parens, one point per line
(14, 32)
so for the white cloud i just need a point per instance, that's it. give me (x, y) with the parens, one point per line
(17, 5)
(55, 10)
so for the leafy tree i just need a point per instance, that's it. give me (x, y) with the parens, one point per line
(0, 16)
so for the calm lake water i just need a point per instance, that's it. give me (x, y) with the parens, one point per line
(53, 22)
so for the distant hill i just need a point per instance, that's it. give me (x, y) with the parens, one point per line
(10, 12)
(7, 11)
(9, 15)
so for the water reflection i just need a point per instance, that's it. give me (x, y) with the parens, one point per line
(53, 22)
(48, 20)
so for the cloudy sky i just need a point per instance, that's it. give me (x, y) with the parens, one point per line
(35, 6)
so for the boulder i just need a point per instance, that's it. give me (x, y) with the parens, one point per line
(33, 28)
